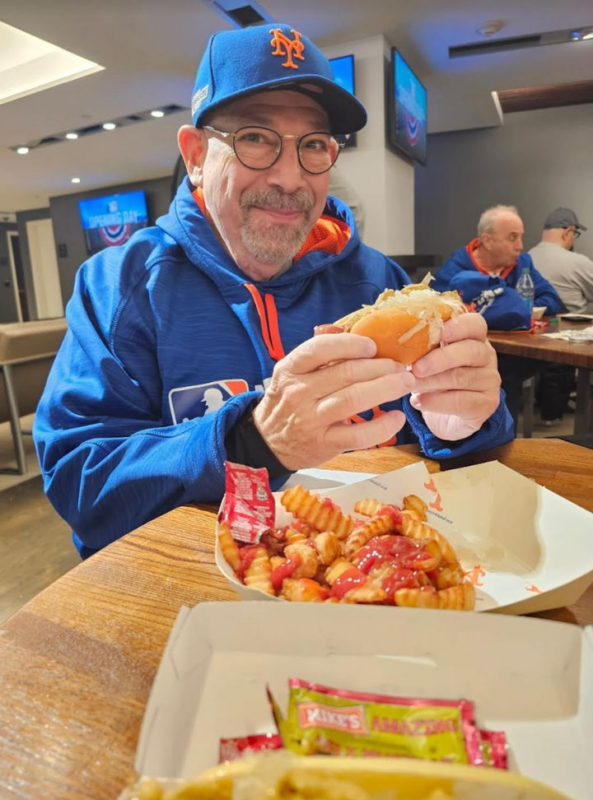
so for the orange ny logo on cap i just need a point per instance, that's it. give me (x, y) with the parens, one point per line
(291, 48)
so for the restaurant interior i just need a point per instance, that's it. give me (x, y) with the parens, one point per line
(471, 106)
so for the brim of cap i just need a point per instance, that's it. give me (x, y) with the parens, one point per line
(345, 112)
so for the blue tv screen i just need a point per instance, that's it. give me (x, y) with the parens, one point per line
(110, 220)
(343, 69)
(407, 110)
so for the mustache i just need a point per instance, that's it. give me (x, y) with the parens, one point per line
(276, 200)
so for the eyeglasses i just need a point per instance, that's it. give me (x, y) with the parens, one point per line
(576, 233)
(260, 148)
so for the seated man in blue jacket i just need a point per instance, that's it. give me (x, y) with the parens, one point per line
(193, 343)
(486, 273)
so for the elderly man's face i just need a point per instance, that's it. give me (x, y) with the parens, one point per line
(263, 217)
(505, 242)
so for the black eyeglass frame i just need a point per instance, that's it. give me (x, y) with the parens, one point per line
(297, 140)
(575, 231)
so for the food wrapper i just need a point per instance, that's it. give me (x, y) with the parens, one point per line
(240, 746)
(322, 720)
(248, 508)
(493, 748)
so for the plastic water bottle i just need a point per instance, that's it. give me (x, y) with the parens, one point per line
(526, 289)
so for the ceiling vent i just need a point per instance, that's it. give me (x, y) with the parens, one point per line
(239, 13)
(519, 42)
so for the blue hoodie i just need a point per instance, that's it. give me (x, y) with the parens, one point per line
(507, 311)
(163, 354)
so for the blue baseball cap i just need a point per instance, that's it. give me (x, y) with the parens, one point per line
(241, 62)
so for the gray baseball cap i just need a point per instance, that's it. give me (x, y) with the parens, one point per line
(563, 218)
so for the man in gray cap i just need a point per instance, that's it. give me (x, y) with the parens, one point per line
(570, 273)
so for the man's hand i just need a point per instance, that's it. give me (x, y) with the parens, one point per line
(304, 416)
(458, 386)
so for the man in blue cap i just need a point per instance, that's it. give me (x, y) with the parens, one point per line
(224, 294)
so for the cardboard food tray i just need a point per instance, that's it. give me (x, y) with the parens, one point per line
(531, 678)
(525, 548)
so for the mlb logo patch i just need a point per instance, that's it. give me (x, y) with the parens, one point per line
(189, 402)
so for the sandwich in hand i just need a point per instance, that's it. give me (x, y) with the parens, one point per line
(405, 324)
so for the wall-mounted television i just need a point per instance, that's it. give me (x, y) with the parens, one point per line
(406, 109)
(343, 69)
(111, 219)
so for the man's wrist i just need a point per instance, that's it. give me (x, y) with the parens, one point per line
(245, 445)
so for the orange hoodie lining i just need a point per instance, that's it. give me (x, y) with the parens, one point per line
(470, 251)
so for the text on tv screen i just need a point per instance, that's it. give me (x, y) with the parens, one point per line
(110, 220)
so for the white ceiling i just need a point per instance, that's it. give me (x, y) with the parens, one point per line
(150, 50)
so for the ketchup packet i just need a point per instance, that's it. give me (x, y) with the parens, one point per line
(248, 507)
(494, 748)
(239, 746)
(340, 722)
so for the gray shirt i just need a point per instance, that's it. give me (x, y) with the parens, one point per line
(571, 274)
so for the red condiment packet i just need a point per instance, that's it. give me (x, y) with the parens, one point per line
(239, 746)
(494, 748)
(248, 508)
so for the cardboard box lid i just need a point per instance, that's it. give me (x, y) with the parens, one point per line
(531, 678)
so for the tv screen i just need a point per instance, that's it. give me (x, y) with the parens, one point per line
(343, 69)
(111, 220)
(407, 110)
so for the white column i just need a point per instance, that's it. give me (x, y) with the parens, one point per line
(383, 179)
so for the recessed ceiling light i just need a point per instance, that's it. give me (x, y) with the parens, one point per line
(74, 180)
(109, 126)
(22, 151)
(71, 136)
(157, 113)
(490, 28)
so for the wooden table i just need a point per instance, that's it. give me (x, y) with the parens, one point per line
(78, 661)
(536, 345)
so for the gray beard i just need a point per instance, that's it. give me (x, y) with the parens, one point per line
(273, 243)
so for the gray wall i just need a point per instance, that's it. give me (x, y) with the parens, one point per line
(68, 229)
(22, 218)
(537, 160)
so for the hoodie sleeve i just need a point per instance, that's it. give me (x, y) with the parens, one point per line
(109, 461)
(495, 431)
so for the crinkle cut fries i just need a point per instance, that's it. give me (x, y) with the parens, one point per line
(390, 557)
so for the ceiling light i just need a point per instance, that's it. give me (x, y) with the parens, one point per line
(75, 180)
(109, 126)
(72, 135)
(490, 28)
(157, 114)
(22, 151)
(586, 33)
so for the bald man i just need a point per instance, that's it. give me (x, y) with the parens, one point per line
(486, 273)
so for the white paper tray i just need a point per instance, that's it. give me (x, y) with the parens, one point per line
(526, 548)
(531, 678)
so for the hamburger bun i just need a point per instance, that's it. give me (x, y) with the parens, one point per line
(405, 324)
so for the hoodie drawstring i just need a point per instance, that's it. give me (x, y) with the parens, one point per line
(268, 320)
